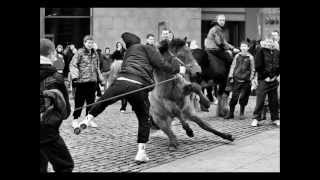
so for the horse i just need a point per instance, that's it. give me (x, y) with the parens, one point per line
(173, 99)
(216, 70)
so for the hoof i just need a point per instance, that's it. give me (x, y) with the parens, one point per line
(173, 146)
(229, 137)
(190, 133)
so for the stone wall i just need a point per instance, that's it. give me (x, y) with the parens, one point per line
(110, 23)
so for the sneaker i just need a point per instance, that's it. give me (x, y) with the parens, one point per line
(92, 124)
(276, 122)
(255, 123)
(141, 156)
(122, 111)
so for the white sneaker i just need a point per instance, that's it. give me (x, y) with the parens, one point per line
(92, 124)
(276, 122)
(85, 123)
(141, 156)
(255, 123)
(122, 111)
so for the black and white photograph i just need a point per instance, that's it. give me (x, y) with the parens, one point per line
(159, 89)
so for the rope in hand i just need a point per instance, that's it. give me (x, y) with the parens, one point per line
(130, 92)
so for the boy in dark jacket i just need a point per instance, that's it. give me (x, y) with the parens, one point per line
(241, 74)
(267, 66)
(136, 72)
(54, 108)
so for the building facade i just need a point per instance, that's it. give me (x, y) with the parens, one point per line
(69, 25)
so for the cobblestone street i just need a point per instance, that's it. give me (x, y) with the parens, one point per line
(112, 146)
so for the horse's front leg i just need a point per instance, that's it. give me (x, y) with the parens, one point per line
(196, 88)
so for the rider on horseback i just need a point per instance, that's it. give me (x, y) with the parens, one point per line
(216, 43)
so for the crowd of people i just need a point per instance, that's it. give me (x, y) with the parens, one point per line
(85, 69)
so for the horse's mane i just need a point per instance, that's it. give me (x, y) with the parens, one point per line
(176, 43)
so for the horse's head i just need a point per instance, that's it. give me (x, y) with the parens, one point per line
(253, 46)
(177, 48)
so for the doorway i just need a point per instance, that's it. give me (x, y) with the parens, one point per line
(67, 25)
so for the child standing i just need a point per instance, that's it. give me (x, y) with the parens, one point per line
(241, 74)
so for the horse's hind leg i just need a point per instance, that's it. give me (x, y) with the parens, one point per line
(164, 123)
(206, 126)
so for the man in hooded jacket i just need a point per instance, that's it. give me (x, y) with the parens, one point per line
(136, 72)
(54, 108)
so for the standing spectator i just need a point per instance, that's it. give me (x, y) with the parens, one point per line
(105, 64)
(276, 38)
(54, 108)
(98, 84)
(135, 73)
(59, 63)
(171, 35)
(241, 74)
(267, 64)
(150, 40)
(118, 54)
(85, 74)
(68, 54)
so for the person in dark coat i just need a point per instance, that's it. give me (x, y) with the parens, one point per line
(54, 108)
(216, 42)
(136, 72)
(267, 65)
(118, 54)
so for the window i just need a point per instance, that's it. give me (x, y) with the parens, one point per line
(67, 25)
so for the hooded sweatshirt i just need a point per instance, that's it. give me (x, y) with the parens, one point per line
(267, 62)
(54, 88)
(140, 61)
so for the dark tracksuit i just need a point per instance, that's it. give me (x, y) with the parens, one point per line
(242, 72)
(52, 147)
(267, 64)
(138, 65)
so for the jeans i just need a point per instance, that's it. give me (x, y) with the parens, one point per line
(240, 91)
(265, 89)
(138, 100)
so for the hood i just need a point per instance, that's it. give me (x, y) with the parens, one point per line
(130, 39)
(46, 70)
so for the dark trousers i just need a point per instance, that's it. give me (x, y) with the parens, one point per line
(84, 92)
(267, 89)
(240, 91)
(139, 102)
(58, 155)
(124, 103)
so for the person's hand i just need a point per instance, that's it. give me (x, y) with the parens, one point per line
(267, 79)
(235, 50)
(231, 79)
(182, 70)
